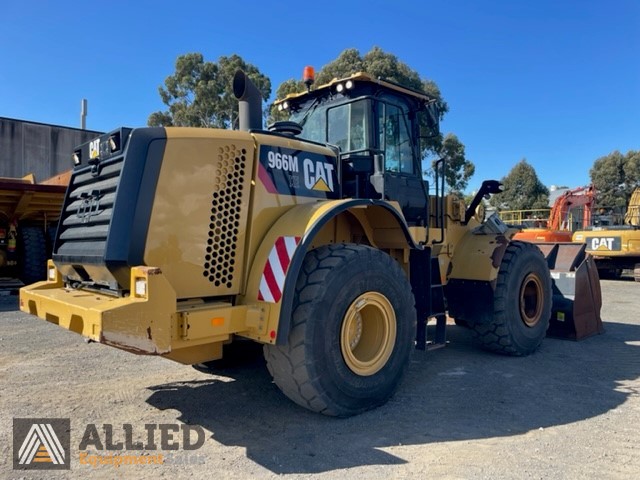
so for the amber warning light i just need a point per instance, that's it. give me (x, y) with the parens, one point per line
(308, 75)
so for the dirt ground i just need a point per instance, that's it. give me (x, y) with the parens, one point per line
(571, 410)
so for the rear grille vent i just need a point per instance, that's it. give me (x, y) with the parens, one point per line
(220, 259)
(88, 210)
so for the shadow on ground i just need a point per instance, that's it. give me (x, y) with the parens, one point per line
(457, 393)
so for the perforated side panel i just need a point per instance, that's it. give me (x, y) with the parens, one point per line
(226, 204)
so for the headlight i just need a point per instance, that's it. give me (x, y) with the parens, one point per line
(141, 287)
(114, 142)
(52, 273)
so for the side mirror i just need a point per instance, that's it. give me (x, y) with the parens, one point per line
(430, 118)
(433, 118)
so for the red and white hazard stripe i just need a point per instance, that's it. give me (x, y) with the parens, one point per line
(275, 270)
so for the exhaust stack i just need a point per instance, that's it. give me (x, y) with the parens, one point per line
(250, 102)
(83, 114)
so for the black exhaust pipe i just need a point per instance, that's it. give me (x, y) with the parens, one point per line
(250, 102)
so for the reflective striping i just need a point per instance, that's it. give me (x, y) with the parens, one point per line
(272, 282)
(291, 243)
(264, 293)
(275, 269)
(278, 267)
(283, 255)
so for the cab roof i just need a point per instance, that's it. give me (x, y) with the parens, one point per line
(362, 77)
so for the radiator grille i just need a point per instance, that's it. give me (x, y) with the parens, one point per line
(88, 210)
(226, 203)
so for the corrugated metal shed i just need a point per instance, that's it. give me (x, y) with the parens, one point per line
(38, 148)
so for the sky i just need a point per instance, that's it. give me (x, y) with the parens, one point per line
(556, 82)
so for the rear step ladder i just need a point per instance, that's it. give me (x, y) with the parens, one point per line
(429, 296)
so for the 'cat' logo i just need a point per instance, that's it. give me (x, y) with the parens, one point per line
(318, 175)
(602, 243)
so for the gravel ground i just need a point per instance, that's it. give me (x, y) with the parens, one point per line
(571, 410)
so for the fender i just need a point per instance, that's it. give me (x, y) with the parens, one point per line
(472, 274)
(384, 227)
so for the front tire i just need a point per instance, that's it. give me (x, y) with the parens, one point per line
(521, 303)
(352, 331)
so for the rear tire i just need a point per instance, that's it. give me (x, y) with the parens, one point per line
(51, 238)
(352, 331)
(33, 251)
(521, 303)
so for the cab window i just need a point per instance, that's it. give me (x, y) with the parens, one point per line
(395, 140)
(347, 126)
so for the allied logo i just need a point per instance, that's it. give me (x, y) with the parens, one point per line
(41, 443)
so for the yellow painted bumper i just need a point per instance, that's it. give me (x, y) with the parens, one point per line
(149, 322)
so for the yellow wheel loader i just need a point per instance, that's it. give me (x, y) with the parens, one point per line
(317, 238)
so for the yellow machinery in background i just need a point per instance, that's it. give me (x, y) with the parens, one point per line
(29, 212)
(616, 247)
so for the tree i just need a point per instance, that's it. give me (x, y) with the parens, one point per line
(459, 170)
(380, 64)
(200, 94)
(615, 176)
(523, 190)
(376, 63)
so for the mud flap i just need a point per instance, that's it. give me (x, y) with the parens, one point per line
(577, 298)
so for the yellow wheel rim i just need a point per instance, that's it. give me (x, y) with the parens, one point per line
(368, 333)
(531, 300)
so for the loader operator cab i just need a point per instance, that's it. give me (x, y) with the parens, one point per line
(377, 126)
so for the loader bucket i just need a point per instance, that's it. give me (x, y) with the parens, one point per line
(577, 298)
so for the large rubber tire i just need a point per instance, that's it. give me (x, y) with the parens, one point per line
(33, 254)
(51, 238)
(521, 303)
(352, 331)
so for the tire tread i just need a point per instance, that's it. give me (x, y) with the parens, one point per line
(288, 364)
(496, 336)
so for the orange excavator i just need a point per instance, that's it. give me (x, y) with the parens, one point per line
(560, 226)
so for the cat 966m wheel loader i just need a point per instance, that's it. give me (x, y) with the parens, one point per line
(317, 238)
